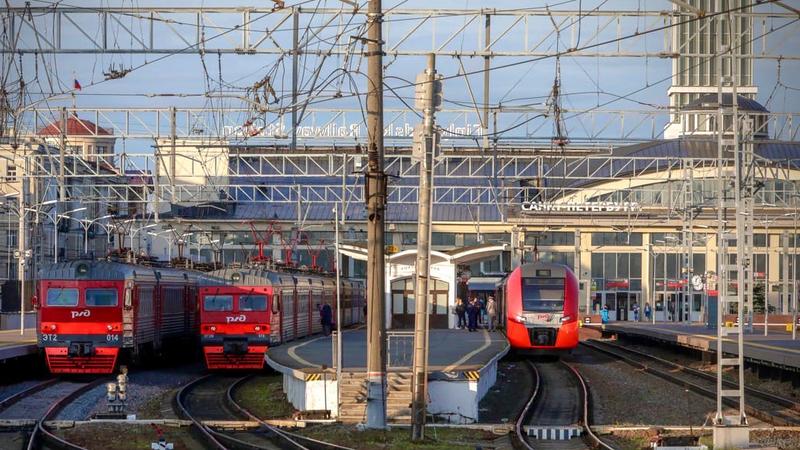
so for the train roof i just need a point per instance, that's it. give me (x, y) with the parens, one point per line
(111, 270)
(254, 276)
(544, 269)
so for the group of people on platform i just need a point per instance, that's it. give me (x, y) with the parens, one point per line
(648, 311)
(475, 313)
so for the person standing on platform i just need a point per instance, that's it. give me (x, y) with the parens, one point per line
(461, 312)
(473, 309)
(635, 311)
(647, 311)
(604, 315)
(326, 318)
(491, 313)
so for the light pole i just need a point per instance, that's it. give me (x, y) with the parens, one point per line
(55, 219)
(134, 232)
(86, 224)
(794, 271)
(338, 309)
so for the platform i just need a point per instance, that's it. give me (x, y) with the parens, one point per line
(462, 368)
(14, 345)
(777, 350)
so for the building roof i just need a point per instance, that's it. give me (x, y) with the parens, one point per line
(75, 127)
(710, 102)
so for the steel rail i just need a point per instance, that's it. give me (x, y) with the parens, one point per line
(41, 433)
(705, 391)
(12, 399)
(184, 411)
(523, 416)
(586, 407)
(782, 401)
(288, 436)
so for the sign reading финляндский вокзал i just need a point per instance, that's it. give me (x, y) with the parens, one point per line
(579, 207)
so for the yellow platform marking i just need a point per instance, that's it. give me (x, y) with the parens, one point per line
(472, 375)
(487, 340)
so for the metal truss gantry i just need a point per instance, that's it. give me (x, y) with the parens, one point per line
(486, 32)
(500, 179)
(344, 126)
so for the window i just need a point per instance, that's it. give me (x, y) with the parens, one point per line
(253, 303)
(617, 239)
(543, 294)
(62, 297)
(11, 238)
(409, 238)
(443, 239)
(550, 238)
(101, 149)
(218, 303)
(101, 297)
(11, 173)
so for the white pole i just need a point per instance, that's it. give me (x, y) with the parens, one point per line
(55, 234)
(86, 238)
(338, 309)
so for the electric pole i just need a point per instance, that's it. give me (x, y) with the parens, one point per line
(426, 93)
(22, 257)
(375, 197)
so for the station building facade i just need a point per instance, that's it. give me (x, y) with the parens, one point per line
(618, 219)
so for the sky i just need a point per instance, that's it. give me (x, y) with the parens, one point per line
(218, 83)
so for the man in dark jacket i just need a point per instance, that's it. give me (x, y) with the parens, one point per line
(326, 317)
(461, 312)
(472, 313)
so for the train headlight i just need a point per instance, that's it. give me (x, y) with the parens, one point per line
(520, 318)
(53, 327)
(566, 319)
(258, 328)
(109, 327)
(212, 328)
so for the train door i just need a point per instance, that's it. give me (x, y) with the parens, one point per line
(623, 305)
(288, 314)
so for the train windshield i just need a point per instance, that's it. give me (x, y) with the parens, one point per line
(218, 303)
(101, 297)
(62, 297)
(543, 294)
(253, 303)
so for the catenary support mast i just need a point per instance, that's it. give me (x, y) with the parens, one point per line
(376, 206)
(421, 291)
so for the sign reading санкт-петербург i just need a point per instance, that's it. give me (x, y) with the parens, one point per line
(583, 207)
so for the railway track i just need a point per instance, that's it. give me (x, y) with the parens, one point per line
(560, 401)
(41, 437)
(210, 398)
(762, 405)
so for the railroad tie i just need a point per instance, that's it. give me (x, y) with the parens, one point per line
(553, 433)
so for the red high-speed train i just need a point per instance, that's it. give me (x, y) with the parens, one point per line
(541, 308)
(91, 312)
(244, 311)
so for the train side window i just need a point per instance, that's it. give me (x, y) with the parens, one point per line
(62, 297)
(252, 303)
(218, 303)
(101, 297)
(276, 307)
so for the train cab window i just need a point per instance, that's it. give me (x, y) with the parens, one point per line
(101, 297)
(253, 303)
(218, 303)
(62, 297)
(543, 294)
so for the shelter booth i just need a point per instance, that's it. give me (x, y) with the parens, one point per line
(400, 300)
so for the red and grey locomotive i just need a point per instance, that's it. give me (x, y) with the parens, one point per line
(541, 308)
(92, 312)
(244, 311)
